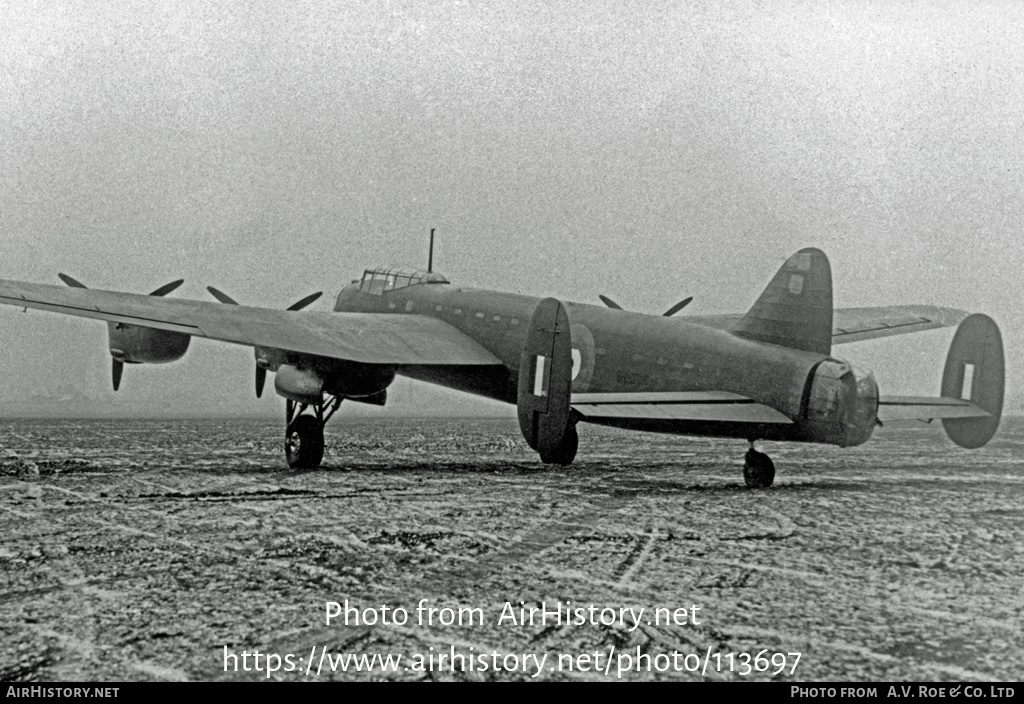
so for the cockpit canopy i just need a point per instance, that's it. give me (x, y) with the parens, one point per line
(389, 278)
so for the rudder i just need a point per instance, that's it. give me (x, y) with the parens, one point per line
(795, 310)
(975, 371)
(545, 378)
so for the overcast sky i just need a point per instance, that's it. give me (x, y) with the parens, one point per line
(648, 151)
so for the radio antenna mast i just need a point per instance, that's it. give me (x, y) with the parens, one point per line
(430, 257)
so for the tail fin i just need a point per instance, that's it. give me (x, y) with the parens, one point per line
(975, 372)
(795, 309)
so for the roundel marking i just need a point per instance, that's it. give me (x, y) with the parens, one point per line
(582, 357)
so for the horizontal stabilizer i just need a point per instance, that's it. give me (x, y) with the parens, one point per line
(972, 387)
(926, 408)
(696, 406)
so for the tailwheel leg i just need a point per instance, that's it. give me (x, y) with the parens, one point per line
(758, 469)
(304, 436)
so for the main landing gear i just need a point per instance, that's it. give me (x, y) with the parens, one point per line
(758, 469)
(304, 436)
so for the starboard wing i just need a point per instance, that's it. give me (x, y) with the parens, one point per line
(359, 337)
(857, 324)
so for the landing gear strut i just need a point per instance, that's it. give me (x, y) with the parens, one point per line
(758, 469)
(304, 436)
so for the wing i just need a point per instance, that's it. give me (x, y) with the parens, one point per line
(360, 337)
(926, 408)
(696, 406)
(857, 324)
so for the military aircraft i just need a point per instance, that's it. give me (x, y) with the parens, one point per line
(768, 374)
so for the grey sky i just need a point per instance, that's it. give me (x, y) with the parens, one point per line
(642, 150)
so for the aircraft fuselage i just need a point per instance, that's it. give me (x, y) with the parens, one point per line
(616, 351)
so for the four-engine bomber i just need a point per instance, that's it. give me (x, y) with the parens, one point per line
(768, 374)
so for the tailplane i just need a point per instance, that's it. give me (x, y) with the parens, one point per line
(972, 387)
(795, 309)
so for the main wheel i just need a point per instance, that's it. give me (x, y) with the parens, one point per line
(565, 453)
(304, 443)
(758, 470)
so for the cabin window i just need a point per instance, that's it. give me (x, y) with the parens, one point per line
(384, 279)
(377, 285)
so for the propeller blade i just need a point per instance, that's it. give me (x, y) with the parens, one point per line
(299, 305)
(609, 302)
(261, 378)
(167, 288)
(221, 296)
(116, 369)
(71, 282)
(677, 307)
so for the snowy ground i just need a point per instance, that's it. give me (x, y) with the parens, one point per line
(140, 549)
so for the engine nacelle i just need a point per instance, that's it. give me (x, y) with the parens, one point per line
(136, 344)
(307, 384)
(842, 406)
(301, 385)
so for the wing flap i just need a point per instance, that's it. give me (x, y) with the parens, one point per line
(360, 337)
(697, 406)
(925, 408)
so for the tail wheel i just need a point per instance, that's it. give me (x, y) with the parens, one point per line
(758, 470)
(565, 453)
(304, 443)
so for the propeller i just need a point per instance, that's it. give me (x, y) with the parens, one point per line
(669, 313)
(677, 307)
(117, 366)
(261, 372)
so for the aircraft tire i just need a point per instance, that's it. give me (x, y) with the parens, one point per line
(758, 470)
(566, 451)
(304, 443)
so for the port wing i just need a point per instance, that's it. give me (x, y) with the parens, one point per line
(359, 337)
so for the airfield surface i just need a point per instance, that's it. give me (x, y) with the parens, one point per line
(141, 549)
